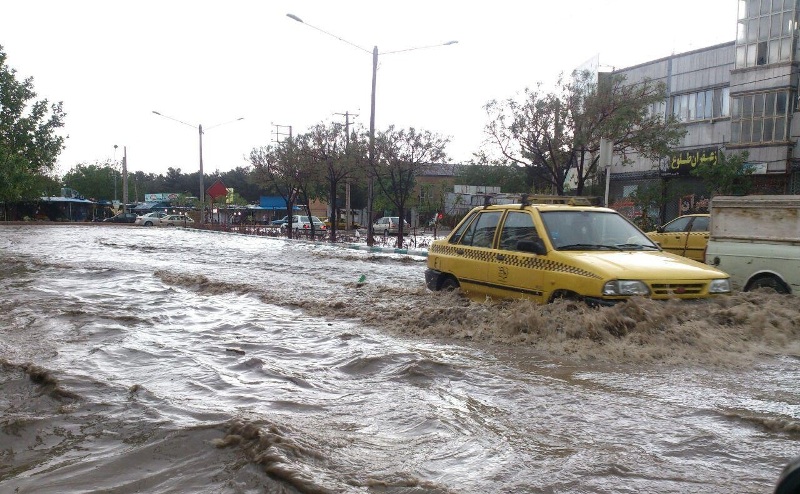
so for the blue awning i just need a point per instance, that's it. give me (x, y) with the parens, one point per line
(273, 202)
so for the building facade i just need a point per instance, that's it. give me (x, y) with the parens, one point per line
(732, 97)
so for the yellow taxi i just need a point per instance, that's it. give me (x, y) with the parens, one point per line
(542, 252)
(685, 235)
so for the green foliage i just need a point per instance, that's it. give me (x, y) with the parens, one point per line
(511, 179)
(400, 157)
(29, 145)
(648, 199)
(730, 175)
(556, 135)
(95, 181)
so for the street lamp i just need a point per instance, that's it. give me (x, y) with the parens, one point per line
(202, 195)
(370, 192)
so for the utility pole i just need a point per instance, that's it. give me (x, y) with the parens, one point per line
(124, 179)
(347, 182)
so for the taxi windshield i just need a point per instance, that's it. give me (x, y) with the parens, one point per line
(593, 230)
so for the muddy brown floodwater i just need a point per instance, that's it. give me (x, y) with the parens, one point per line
(172, 360)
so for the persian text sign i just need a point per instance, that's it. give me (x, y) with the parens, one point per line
(683, 162)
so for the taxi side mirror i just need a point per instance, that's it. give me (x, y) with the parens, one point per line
(534, 246)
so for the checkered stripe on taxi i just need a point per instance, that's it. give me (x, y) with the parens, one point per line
(529, 262)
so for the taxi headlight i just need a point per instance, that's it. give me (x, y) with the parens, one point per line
(720, 286)
(625, 287)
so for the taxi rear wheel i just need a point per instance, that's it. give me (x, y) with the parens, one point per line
(449, 284)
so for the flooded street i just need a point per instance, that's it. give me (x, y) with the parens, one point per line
(170, 360)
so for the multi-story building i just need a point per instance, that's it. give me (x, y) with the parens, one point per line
(732, 97)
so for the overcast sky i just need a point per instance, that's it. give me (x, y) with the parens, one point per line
(208, 63)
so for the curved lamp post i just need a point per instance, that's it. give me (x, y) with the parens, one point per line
(202, 195)
(370, 191)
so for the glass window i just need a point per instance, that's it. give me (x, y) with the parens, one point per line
(741, 29)
(518, 226)
(788, 4)
(751, 55)
(747, 106)
(709, 104)
(740, 53)
(692, 106)
(774, 51)
(775, 25)
(758, 105)
(757, 130)
(761, 53)
(763, 28)
(787, 24)
(768, 126)
(747, 131)
(752, 30)
(736, 112)
(684, 107)
(700, 224)
(677, 225)
(769, 104)
(736, 131)
(482, 235)
(780, 103)
(765, 6)
(786, 49)
(726, 98)
(752, 8)
(780, 129)
(456, 237)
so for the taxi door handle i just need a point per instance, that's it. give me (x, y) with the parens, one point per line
(501, 257)
(460, 252)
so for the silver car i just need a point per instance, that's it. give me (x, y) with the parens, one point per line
(389, 225)
(150, 219)
(301, 224)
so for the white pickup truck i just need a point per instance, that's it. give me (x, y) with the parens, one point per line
(756, 240)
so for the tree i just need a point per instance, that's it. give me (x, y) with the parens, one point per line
(730, 175)
(334, 152)
(96, 181)
(510, 179)
(555, 136)
(29, 144)
(400, 154)
(284, 168)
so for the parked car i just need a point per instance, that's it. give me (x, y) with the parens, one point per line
(122, 218)
(685, 235)
(302, 224)
(542, 252)
(175, 220)
(340, 225)
(279, 222)
(150, 219)
(389, 225)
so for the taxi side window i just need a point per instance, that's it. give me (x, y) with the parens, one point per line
(518, 226)
(700, 224)
(480, 232)
(679, 225)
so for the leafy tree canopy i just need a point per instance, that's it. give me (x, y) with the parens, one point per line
(29, 143)
(730, 175)
(556, 135)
